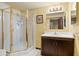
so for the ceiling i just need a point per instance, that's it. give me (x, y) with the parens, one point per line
(31, 5)
(3, 5)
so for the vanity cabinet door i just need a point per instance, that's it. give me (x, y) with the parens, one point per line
(65, 48)
(49, 47)
(60, 48)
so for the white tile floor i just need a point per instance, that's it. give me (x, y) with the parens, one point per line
(2, 52)
(29, 52)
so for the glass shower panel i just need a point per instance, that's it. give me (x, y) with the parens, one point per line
(6, 21)
(18, 39)
(0, 29)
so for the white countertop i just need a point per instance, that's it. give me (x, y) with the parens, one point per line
(59, 34)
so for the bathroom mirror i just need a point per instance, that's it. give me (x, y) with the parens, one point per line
(56, 20)
(56, 23)
(73, 13)
(73, 17)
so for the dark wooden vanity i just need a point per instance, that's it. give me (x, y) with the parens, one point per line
(57, 46)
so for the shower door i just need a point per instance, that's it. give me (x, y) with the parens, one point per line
(14, 31)
(18, 33)
(6, 26)
(0, 29)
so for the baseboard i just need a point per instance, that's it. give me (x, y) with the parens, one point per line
(38, 48)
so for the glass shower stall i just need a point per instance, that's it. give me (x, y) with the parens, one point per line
(14, 30)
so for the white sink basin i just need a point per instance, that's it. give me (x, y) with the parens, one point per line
(59, 34)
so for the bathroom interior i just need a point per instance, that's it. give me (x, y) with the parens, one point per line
(39, 28)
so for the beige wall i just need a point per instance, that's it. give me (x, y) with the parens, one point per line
(41, 28)
(78, 14)
(77, 31)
